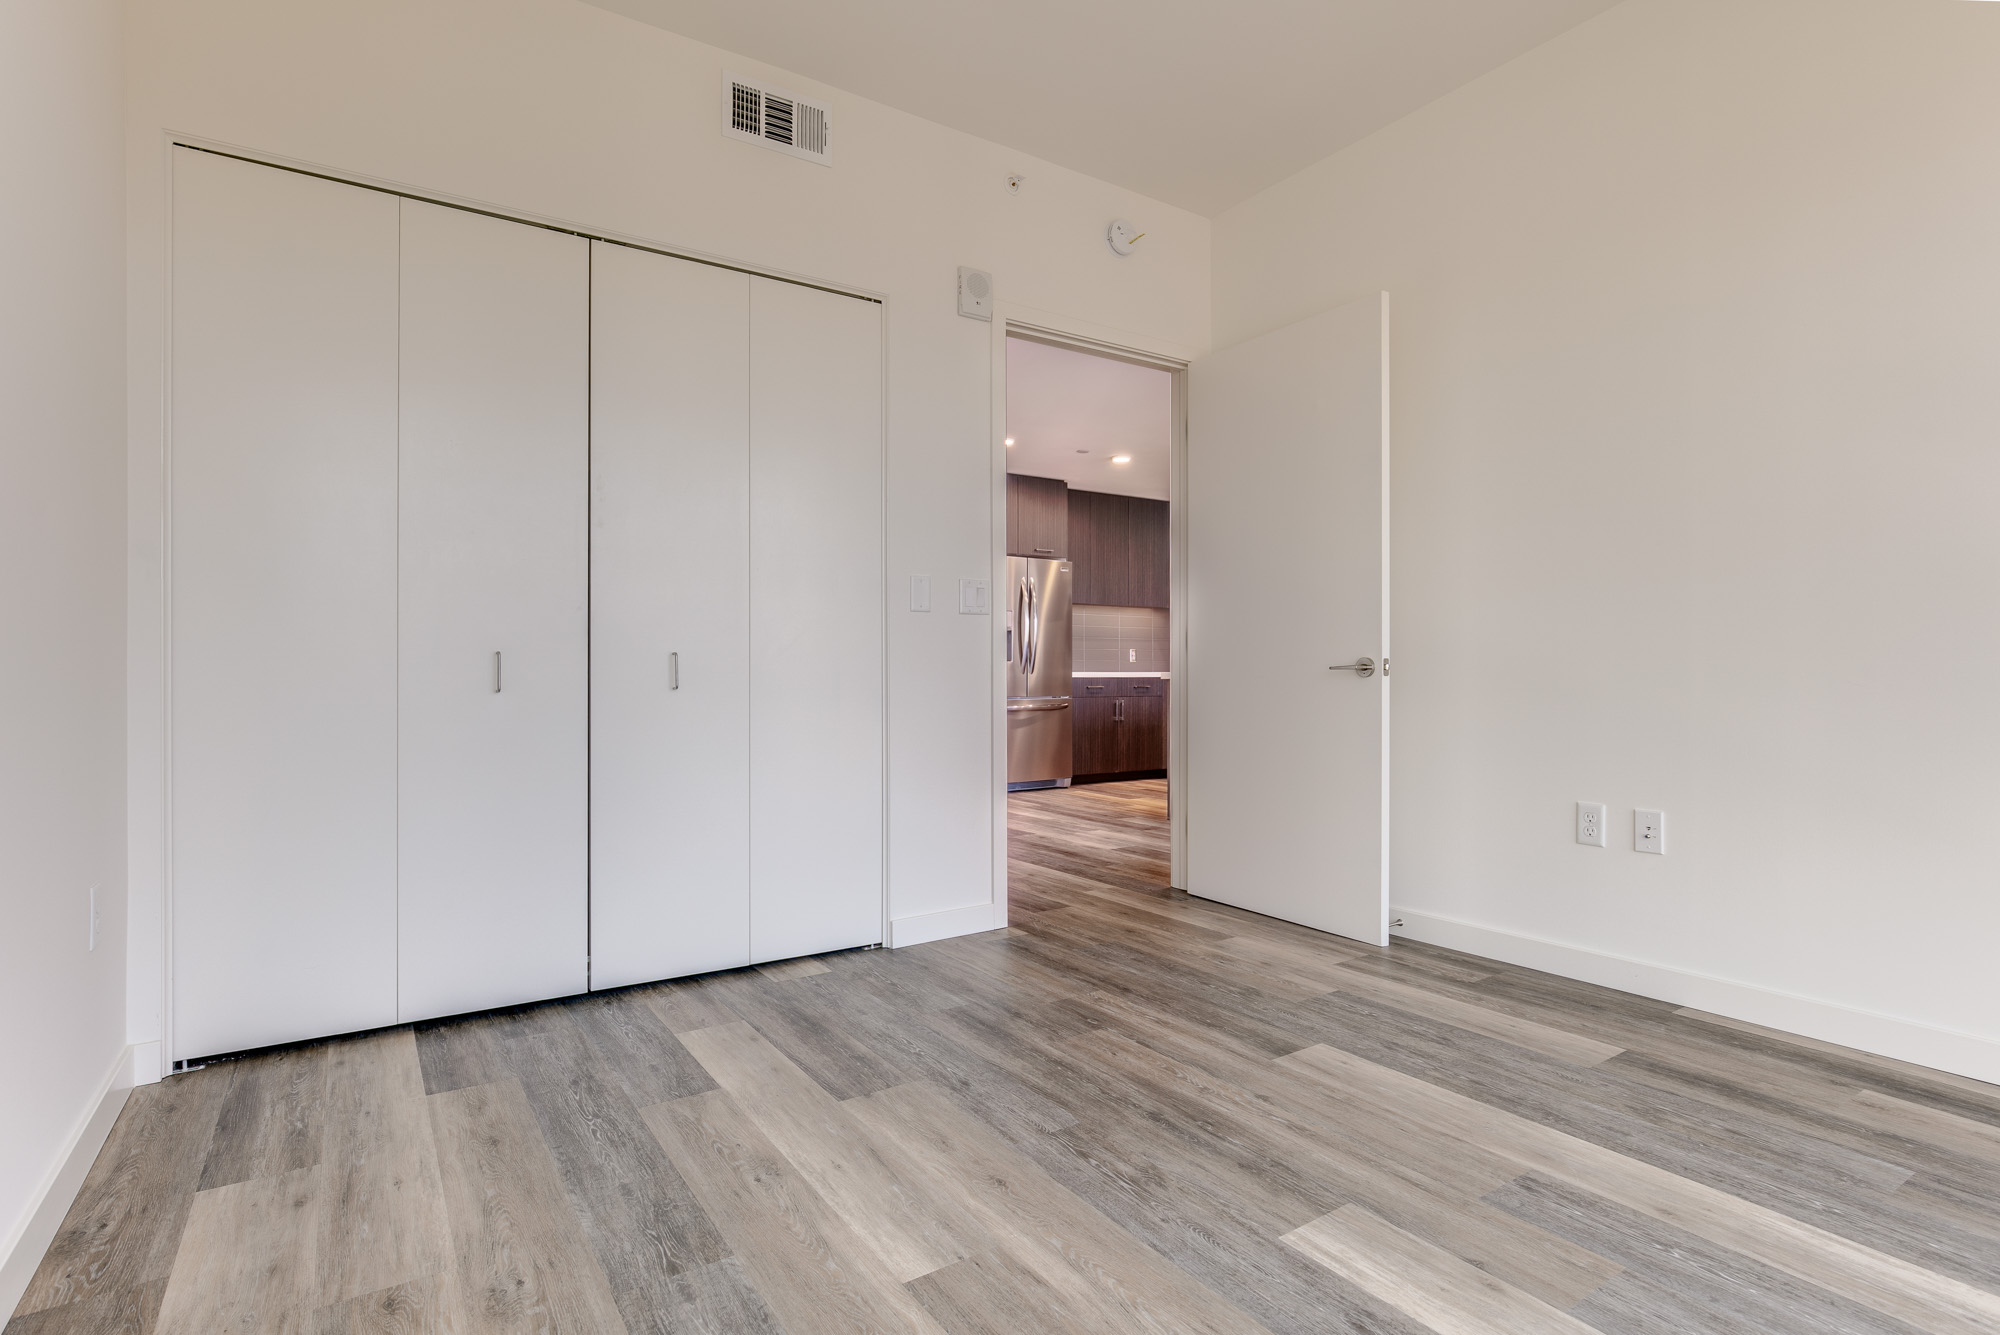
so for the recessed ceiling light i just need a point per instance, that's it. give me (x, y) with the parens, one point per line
(1010, 440)
(1121, 458)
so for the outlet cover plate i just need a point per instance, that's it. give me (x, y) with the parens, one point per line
(1590, 823)
(1649, 831)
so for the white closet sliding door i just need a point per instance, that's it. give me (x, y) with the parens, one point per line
(494, 494)
(283, 602)
(816, 607)
(670, 617)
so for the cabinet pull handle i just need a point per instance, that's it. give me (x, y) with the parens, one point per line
(1045, 551)
(496, 672)
(673, 672)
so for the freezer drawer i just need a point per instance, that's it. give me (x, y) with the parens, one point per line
(1038, 740)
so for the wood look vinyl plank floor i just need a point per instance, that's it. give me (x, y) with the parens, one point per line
(1130, 1112)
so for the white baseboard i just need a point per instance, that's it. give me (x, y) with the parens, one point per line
(149, 1065)
(1884, 1035)
(914, 931)
(29, 1239)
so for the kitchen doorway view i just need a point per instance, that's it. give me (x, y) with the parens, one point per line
(1088, 605)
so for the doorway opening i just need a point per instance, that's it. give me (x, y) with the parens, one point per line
(1088, 604)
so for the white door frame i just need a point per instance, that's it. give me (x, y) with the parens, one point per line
(1121, 345)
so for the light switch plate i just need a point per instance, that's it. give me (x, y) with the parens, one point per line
(972, 597)
(920, 593)
(1590, 823)
(1649, 831)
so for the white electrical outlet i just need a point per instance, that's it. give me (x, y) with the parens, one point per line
(1131, 655)
(1649, 831)
(920, 593)
(1590, 823)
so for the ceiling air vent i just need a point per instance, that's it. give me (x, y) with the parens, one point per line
(776, 119)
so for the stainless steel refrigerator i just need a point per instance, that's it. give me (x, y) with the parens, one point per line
(1038, 673)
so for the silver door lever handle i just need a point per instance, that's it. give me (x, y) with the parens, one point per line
(1364, 667)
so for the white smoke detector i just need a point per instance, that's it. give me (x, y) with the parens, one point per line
(975, 294)
(1122, 236)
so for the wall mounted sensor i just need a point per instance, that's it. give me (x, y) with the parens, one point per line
(1122, 236)
(975, 294)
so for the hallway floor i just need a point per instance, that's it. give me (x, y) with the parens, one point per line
(1129, 1111)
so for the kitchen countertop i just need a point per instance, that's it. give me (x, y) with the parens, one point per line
(1162, 676)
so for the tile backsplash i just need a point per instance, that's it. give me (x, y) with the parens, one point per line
(1119, 639)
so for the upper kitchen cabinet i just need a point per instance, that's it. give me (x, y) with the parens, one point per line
(1146, 555)
(1118, 545)
(1038, 517)
(1109, 550)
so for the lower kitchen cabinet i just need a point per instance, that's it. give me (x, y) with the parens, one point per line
(1093, 734)
(1119, 725)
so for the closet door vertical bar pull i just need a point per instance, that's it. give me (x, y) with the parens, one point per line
(496, 672)
(673, 671)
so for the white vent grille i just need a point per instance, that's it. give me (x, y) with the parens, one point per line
(776, 119)
(746, 109)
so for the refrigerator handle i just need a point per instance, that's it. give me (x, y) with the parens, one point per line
(1021, 621)
(1034, 629)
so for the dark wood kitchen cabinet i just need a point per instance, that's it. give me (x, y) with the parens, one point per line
(1083, 570)
(1111, 549)
(1118, 545)
(1037, 517)
(1094, 735)
(1119, 726)
(1146, 559)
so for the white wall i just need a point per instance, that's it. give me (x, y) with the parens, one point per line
(558, 109)
(62, 633)
(1697, 500)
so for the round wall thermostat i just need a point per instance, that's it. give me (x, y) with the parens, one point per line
(1122, 236)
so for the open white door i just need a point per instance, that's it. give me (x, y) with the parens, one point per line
(1288, 588)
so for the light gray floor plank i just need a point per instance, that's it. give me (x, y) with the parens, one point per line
(248, 1262)
(633, 1048)
(382, 1222)
(1987, 1094)
(1428, 1283)
(1676, 1281)
(1105, 1278)
(1888, 1284)
(643, 1223)
(428, 1306)
(1551, 1268)
(912, 1232)
(785, 970)
(810, 1268)
(521, 1262)
(1542, 1038)
(271, 1120)
(134, 1311)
